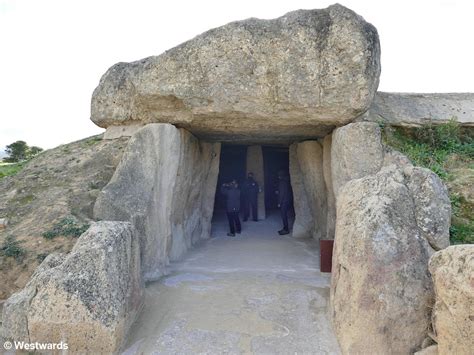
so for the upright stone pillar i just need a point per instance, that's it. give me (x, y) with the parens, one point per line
(304, 220)
(255, 165)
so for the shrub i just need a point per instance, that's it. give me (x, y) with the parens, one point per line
(68, 226)
(11, 248)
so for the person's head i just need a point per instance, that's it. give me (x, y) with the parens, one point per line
(250, 175)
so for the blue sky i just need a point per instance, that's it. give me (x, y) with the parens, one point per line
(53, 52)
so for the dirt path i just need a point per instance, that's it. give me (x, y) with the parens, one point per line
(256, 293)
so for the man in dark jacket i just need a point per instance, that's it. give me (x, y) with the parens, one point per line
(284, 200)
(250, 192)
(232, 193)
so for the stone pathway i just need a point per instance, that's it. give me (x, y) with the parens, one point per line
(256, 293)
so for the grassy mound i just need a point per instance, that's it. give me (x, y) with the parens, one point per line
(448, 150)
(48, 201)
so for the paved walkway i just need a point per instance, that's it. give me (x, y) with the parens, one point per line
(255, 293)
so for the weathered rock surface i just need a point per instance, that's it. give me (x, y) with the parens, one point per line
(310, 159)
(356, 151)
(250, 80)
(381, 289)
(430, 350)
(256, 166)
(88, 298)
(304, 221)
(432, 206)
(404, 109)
(165, 186)
(331, 199)
(452, 270)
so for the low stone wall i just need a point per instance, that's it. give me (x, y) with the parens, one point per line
(165, 186)
(87, 299)
(405, 109)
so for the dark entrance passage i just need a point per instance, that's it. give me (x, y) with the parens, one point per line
(276, 159)
(232, 165)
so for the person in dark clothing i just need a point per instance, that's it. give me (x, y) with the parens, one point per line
(232, 193)
(250, 192)
(284, 200)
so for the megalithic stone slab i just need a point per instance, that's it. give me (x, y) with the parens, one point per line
(255, 165)
(252, 80)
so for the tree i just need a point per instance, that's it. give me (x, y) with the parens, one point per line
(19, 151)
(34, 151)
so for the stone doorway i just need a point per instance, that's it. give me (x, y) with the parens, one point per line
(265, 162)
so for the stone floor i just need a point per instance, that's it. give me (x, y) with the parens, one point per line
(255, 293)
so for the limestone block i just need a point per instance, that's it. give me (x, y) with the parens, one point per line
(331, 200)
(304, 222)
(114, 132)
(356, 152)
(432, 206)
(252, 79)
(430, 350)
(409, 110)
(165, 177)
(88, 298)
(255, 165)
(212, 153)
(452, 270)
(310, 159)
(380, 287)
(392, 156)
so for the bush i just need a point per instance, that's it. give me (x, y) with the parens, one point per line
(68, 226)
(11, 248)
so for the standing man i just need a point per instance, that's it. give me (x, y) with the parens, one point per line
(284, 200)
(250, 191)
(232, 193)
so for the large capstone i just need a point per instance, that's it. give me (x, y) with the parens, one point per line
(252, 80)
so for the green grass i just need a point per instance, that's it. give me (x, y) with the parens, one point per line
(462, 233)
(68, 226)
(430, 146)
(11, 248)
(93, 140)
(9, 169)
